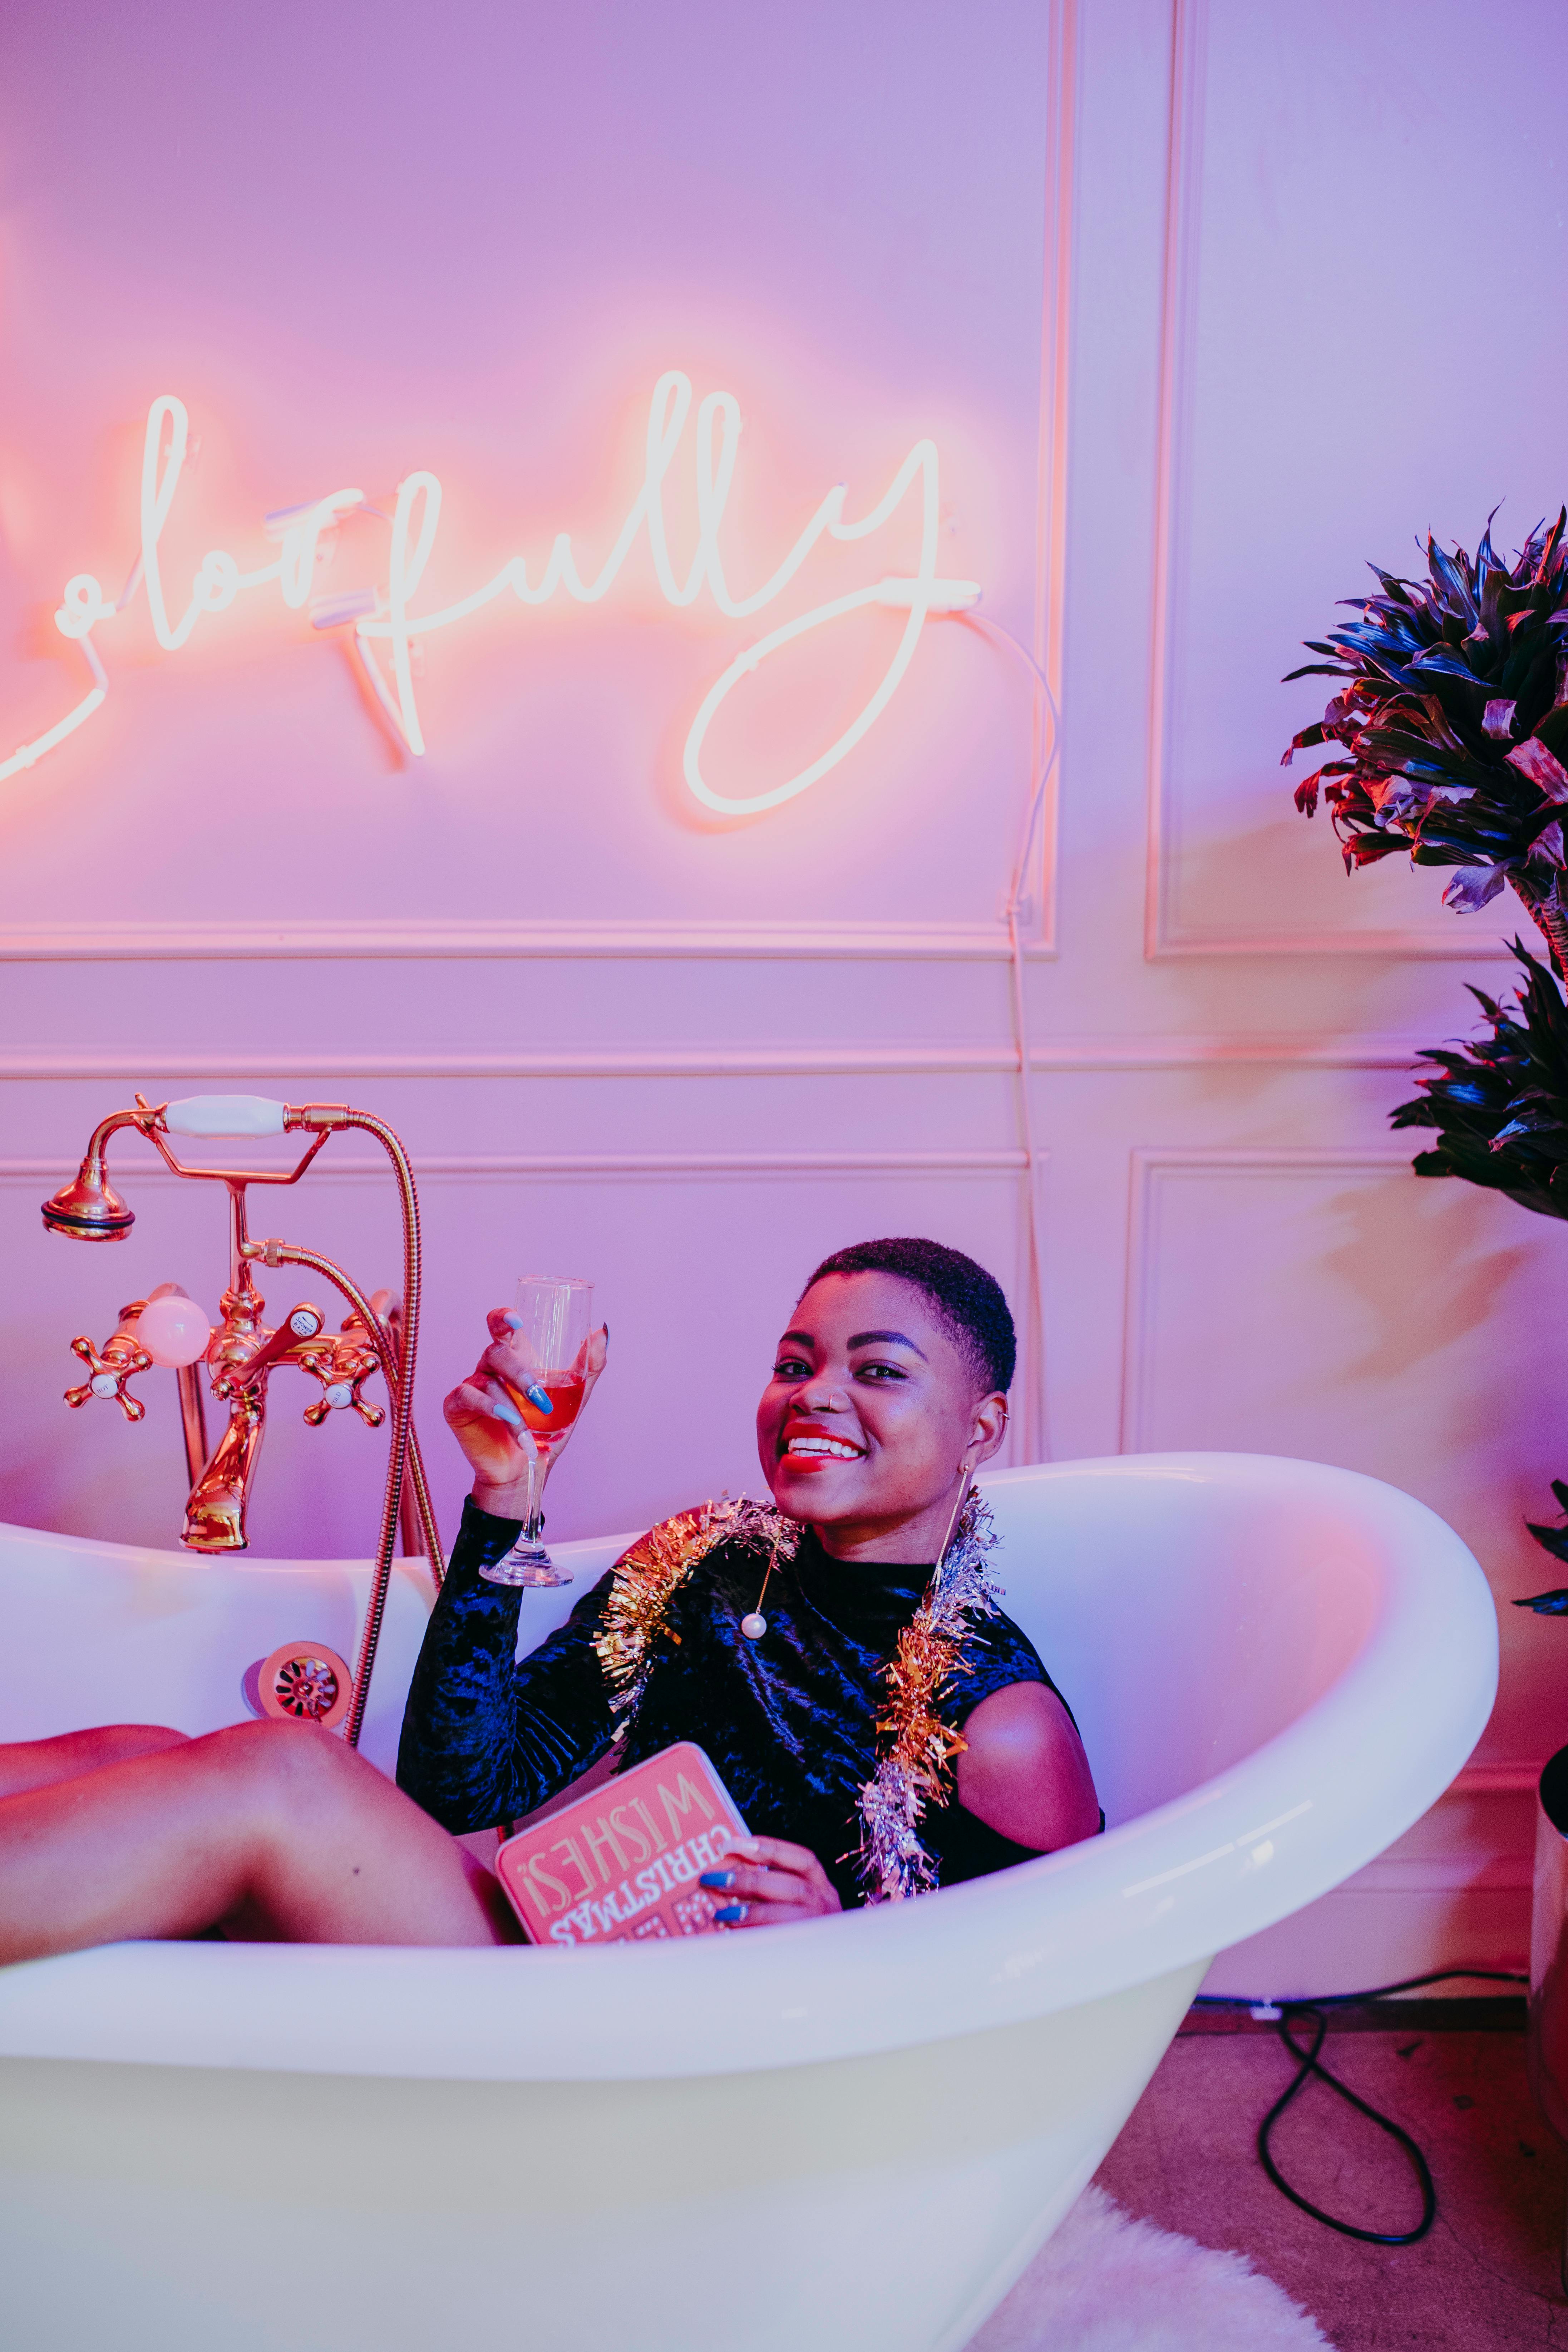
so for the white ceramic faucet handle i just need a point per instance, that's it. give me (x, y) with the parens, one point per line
(225, 1115)
(172, 1328)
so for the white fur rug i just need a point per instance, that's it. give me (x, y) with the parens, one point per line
(1105, 2283)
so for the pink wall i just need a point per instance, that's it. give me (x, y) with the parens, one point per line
(354, 245)
(1201, 305)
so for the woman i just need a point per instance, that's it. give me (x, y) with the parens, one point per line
(888, 1389)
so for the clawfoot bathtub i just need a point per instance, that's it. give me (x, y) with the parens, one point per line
(852, 2133)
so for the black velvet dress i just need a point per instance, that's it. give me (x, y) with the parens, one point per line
(789, 1721)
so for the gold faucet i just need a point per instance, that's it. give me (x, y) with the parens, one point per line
(243, 1351)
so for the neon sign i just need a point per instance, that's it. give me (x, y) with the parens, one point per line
(385, 618)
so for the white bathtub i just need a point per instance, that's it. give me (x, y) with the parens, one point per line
(849, 2134)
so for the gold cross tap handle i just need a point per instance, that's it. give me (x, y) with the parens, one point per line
(109, 1369)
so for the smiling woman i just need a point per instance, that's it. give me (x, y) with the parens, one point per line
(884, 1728)
(888, 1390)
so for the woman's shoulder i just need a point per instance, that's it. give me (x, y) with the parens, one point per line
(668, 1553)
(997, 1652)
(651, 1591)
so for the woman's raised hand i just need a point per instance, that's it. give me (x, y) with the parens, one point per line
(488, 1426)
(769, 1883)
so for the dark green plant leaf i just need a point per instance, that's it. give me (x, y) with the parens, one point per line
(1421, 665)
(1500, 1102)
(1556, 1541)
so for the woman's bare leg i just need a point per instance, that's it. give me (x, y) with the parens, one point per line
(40, 1763)
(277, 1830)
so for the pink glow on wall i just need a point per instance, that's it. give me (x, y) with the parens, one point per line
(393, 618)
(475, 268)
(550, 238)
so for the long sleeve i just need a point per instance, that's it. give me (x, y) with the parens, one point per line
(486, 1739)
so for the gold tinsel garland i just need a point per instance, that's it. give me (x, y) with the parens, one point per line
(918, 1744)
(648, 1576)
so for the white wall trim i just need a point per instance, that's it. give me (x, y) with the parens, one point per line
(461, 940)
(1406, 947)
(874, 1058)
(1055, 444)
(1185, 141)
(329, 939)
(1163, 939)
(1150, 1165)
(484, 1166)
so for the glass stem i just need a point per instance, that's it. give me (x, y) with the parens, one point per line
(534, 1508)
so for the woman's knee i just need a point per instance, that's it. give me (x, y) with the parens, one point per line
(102, 1744)
(72, 1755)
(292, 1766)
(140, 1739)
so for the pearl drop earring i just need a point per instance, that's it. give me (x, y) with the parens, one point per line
(755, 1626)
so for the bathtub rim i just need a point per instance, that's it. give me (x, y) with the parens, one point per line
(1156, 1893)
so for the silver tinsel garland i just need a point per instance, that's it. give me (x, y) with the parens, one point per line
(918, 1746)
(648, 1576)
(915, 1763)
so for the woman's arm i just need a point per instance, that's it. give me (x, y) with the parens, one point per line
(1024, 1772)
(488, 1427)
(486, 1739)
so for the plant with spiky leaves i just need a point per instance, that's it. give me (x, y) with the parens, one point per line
(1454, 718)
(1454, 722)
(1499, 1103)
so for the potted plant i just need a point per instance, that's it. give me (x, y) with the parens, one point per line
(1450, 725)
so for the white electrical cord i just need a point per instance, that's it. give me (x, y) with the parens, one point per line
(1035, 1417)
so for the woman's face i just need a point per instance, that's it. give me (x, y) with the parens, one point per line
(872, 1408)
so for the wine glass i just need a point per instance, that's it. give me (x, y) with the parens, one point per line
(550, 1334)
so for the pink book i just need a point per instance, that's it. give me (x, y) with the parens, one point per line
(623, 1862)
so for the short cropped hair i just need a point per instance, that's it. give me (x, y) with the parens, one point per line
(968, 1301)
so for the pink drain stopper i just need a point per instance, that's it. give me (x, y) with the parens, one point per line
(304, 1682)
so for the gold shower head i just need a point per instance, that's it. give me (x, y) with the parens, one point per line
(89, 1208)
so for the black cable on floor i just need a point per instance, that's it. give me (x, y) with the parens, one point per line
(1310, 2063)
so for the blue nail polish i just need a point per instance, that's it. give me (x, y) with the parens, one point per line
(717, 1878)
(513, 1322)
(539, 1397)
(504, 1410)
(729, 1912)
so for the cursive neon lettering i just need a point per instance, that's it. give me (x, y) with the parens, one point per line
(392, 620)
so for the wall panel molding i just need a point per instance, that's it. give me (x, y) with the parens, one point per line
(482, 1167)
(1162, 937)
(1151, 1166)
(962, 1058)
(1056, 381)
(462, 941)
(935, 942)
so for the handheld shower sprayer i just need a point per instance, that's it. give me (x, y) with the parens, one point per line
(241, 1352)
(89, 1209)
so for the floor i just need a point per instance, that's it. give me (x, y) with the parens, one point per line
(1486, 2275)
